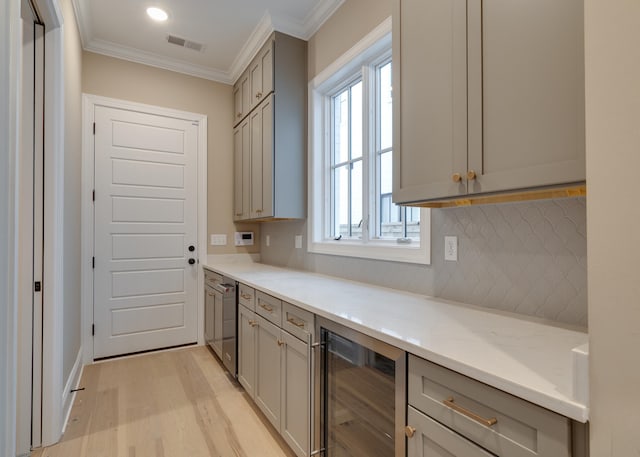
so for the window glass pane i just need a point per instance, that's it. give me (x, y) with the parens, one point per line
(341, 201)
(341, 127)
(412, 221)
(389, 225)
(356, 200)
(386, 112)
(356, 120)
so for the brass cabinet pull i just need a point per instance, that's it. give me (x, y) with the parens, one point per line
(265, 307)
(239, 114)
(245, 296)
(449, 402)
(209, 294)
(291, 320)
(280, 343)
(471, 175)
(252, 323)
(259, 94)
(258, 211)
(456, 177)
(409, 431)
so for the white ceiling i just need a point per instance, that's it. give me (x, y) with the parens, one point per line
(232, 31)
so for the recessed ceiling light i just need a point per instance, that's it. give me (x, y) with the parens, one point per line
(157, 14)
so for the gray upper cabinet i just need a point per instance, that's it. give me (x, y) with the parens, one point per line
(241, 97)
(488, 97)
(270, 177)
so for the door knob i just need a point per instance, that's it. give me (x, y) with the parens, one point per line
(192, 248)
(471, 175)
(192, 261)
(456, 177)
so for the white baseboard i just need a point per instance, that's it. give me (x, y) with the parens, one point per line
(71, 384)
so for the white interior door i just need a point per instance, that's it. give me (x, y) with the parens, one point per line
(145, 288)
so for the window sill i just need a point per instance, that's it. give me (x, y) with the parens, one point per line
(387, 252)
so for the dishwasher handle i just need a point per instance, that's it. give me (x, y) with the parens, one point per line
(224, 288)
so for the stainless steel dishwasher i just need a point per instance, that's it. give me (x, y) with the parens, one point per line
(220, 318)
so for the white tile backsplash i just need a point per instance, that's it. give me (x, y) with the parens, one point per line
(528, 258)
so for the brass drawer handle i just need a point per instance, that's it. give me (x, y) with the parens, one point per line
(280, 343)
(409, 431)
(209, 294)
(486, 422)
(245, 296)
(268, 309)
(291, 320)
(252, 323)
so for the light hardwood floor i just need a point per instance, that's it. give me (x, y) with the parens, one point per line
(166, 404)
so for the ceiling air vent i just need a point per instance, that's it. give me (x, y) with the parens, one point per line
(184, 43)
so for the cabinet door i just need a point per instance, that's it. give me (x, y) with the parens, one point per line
(296, 394)
(261, 120)
(241, 97)
(430, 100)
(247, 349)
(208, 315)
(268, 374)
(261, 74)
(526, 93)
(242, 170)
(430, 439)
(217, 324)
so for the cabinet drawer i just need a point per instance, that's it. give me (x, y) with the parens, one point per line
(522, 429)
(247, 296)
(432, 439)
(211, 278)
(297, 321)
(269, 307)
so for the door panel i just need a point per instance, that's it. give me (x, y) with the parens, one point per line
(268, 376)
(145, 219)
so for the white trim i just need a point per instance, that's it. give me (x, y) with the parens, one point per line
(89, 102)
(72, 383)
(119, 51)
(53, 280)
(256, 40)
(10, 43)
(376, 44)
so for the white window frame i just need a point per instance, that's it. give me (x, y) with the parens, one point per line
(374, 48)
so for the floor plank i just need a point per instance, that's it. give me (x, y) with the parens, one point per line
(165, 404)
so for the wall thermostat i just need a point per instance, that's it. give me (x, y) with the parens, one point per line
(244, 238)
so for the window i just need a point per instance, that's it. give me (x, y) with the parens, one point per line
(351, 147)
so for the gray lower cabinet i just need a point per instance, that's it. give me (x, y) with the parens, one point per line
(431, 439)
(274, 365)
(488, 97)
(470, 413)
(247, 324)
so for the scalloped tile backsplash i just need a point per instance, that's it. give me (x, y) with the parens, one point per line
(526, 257)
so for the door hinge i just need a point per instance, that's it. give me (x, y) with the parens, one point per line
(94, 128)
(37, 286)
(93, 262)
(93, 329)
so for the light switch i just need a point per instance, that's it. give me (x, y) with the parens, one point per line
(451, 248)
(298, 241)
(268, 240)
(219, 240)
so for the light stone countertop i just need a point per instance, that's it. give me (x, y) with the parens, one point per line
(521, 356)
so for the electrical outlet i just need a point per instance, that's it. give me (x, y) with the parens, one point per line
(218, 240)
(451, 248)
(298, 241)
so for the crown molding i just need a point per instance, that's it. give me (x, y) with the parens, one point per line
(156, 60)
(319, 15)
(322, 11)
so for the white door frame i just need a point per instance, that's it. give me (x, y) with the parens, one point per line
(52, 392)
(89, 103)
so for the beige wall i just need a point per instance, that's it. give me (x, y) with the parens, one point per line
(613, 220)
(349, 24)
(130, 81)
(72, 175)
